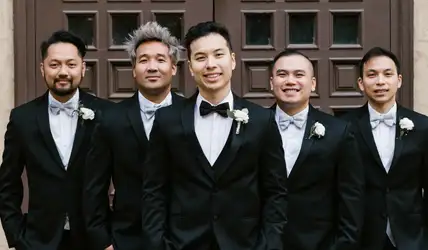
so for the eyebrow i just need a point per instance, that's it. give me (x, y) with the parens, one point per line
(156, 55)
(216, 50)
(283, 70)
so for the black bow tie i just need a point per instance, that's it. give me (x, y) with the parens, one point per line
(205, 108)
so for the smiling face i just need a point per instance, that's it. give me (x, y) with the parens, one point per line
(211, 63)
(380, 81)
(63, 69)
(292, 80)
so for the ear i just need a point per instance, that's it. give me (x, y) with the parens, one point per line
(400, 80)
(42, 70)
(270, 83)
(174, 69)
(314, 84)
(83, 69)
(190, 67)
(360, 84)
(232, 55)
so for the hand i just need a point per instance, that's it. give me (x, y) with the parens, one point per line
(110, 248)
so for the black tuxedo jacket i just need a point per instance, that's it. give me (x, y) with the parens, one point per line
(325, 189)
(398, 194)
(53, 191)
(118, 149)
(239, 202)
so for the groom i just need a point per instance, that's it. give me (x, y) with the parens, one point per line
(209, 181)
(325, 174)
(49, 136)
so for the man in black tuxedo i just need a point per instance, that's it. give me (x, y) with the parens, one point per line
(121, 140)
(325, 175)
(212, 181)
(393, 144)
(49, 136)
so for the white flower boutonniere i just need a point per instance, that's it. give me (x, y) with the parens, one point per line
(405, 126)
(317, 130)
(241, 116)
(85, 113)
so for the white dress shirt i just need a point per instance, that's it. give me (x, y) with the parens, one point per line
(146, 105)
(292, 137)
(63, 129)
(212, 130)
(384, 137)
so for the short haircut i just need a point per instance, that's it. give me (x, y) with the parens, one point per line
(376, 52)
(205, 29)
(149, 32)
(62, 36)
(289, 52)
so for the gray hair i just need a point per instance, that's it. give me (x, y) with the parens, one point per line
(152, 31)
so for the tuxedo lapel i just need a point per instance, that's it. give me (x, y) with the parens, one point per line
(85, 100)
(44, 127)
(233, 143)
(306, 143)
(134, 115)
(399, 141)
(188, 123)
(367, 134)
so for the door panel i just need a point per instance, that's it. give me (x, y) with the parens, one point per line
(105, 24)
(334, 34)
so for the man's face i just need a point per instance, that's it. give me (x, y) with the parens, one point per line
(154, 68)
(292, 80)
(63, 69)
(380, 80)
(211, 63)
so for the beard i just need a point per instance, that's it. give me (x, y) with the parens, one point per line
(60, 91)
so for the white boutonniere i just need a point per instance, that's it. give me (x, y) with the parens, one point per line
(405, 126)
(85, 113)
(240, 116)
(317, 130)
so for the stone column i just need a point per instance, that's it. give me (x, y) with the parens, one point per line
(420, 56)
(7, 86)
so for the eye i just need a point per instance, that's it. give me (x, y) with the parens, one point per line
(72, 65)
(161, 60)
(219, 54)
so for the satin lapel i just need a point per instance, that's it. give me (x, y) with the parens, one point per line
(228, 154)
(86, 101)
(134, 115)
(366, 132)
(188, 123)
(44, 127)
(399, 141)
(306, 143)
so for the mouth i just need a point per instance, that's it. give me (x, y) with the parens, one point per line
(152, 78)
(291, 90)
(212, 76)
(63, 82)
(381, 91)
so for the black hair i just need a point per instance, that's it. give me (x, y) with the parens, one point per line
(62, 36)
(376, 52)
(205, 29)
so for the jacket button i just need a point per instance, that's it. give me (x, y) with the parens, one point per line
(215, 217)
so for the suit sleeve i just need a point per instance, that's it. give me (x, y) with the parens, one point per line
(96, 183)
(11, 189)
(273, 174)
(154, 189)
(350, 185)
(424, 177)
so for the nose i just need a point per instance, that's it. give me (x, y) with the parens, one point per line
(381, 79)
(152, 66)
(63, 72)
(210, 62)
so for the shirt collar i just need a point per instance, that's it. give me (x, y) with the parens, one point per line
(281, 114)
(73, 100)
(392, 111)
(228, 98)
(145, 103)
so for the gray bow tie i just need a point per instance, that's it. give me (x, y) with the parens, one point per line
(298, 121)
(150, 111)
(57, 108)
(387, 119)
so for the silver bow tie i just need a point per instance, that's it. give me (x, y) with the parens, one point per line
(297, 121)
(387, 119)
(149, 111)
(57, 108)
